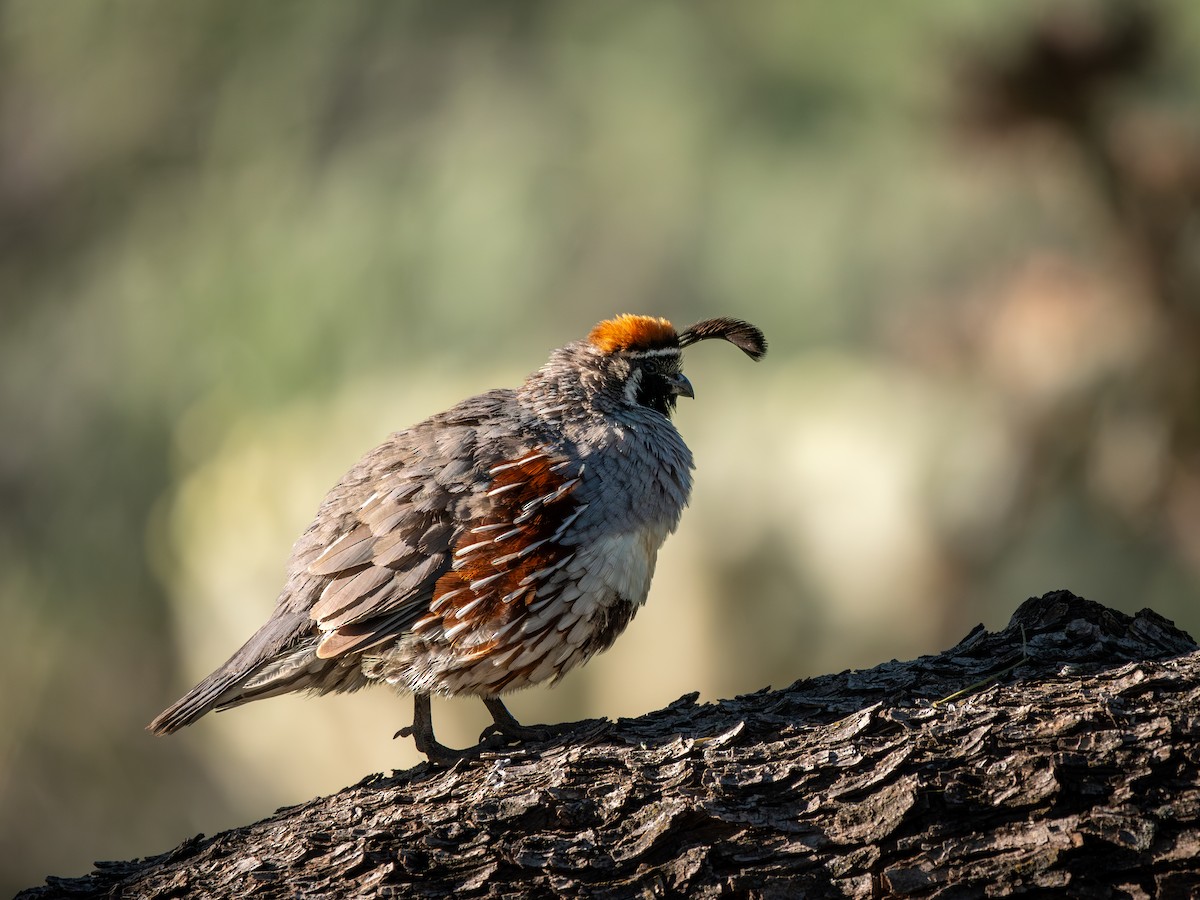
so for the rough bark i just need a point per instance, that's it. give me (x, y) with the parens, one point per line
(1058, 756)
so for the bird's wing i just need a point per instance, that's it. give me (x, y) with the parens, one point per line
(440, 537)
(386, 534)
(506, 559)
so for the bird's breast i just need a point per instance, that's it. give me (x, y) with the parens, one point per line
(618, 565)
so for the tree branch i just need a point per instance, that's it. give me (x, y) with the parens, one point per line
(1070, 763)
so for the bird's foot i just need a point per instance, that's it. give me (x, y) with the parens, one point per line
(506, 729)
(421, 731)
(498, 737)
(498, 733)
(434, 750)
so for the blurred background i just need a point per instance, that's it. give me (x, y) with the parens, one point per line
(240, 243)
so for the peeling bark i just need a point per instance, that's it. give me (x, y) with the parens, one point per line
(1058, 756)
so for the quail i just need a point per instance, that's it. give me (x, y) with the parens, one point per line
(493, 546)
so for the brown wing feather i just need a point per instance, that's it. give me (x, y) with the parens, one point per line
(382, 570)
(401, 567)
(352, 549)
(346, 594)
(508, 550)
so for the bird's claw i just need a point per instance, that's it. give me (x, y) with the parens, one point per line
(510, 733)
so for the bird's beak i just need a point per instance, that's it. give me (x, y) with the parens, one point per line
(681, 385)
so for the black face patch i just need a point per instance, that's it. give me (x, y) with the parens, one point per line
(655, 393)
(657, 389)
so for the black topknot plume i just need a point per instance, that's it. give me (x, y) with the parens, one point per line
(742, 335)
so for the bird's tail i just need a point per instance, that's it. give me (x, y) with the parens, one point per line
(240, 679)
(201, 699)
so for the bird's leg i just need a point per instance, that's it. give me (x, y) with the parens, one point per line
(421, 731)
(504, 725)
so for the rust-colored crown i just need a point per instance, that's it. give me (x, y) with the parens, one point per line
(629, 332)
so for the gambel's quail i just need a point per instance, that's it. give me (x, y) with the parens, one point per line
(495, 545)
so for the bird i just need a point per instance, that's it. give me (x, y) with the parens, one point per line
(493, 546)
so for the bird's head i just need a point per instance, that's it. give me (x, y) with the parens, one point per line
(640, 358)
